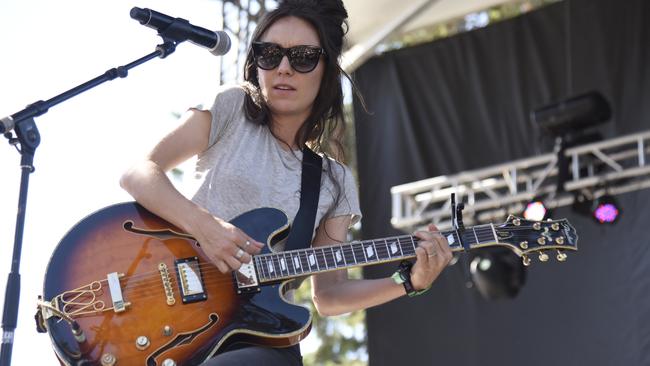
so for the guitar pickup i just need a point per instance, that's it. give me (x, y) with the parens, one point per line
(189, 276)
(246, 279)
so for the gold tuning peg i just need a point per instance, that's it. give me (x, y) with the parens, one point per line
(543, 257)
(525, 260)
(561, 257)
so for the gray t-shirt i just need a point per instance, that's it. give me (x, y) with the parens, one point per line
(245, 167)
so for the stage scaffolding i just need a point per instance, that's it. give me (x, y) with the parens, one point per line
(613, 166)
(239, 19)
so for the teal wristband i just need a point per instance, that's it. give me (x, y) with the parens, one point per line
(419, 292)
(403, 276)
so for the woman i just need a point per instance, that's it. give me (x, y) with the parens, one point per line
(250, 148)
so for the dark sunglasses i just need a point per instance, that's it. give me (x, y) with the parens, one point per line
(303, 59)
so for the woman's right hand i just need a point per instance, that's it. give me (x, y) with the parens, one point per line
(223, 243)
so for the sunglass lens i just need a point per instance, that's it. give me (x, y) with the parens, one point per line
(303, 58)
(269, 56)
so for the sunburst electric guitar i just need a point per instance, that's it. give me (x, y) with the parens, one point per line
(125, 287)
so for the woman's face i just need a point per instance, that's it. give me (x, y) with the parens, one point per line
(286, 91)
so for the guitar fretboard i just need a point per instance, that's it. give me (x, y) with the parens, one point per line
(303, 262)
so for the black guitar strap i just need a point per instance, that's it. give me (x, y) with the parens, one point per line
(303, 224)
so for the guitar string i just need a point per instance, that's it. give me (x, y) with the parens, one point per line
(136, 293)
(208, 269)
(274, 257)
(152, 277)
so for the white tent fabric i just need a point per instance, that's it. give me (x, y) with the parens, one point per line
(372, 21)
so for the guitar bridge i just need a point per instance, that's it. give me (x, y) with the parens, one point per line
(190, 279)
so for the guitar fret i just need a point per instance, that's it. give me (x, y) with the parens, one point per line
(334, 264)
(354, 257)
(278, 265)
(363, 249)
(312, 261)
(393, 248)
(282, 264)
(290, 267)
(357, 250)
(467, 238)
(451, 237)
(259, 266)
(495, 233)
(413, 243)
(320, 258)
(295, 259)
(295, 262)
(370, 252)
(348, 255)
(339, 256)
(271, 266)
(383, 249)
(304, 261)
(329, 258)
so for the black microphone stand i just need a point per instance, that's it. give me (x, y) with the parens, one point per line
(26, 141)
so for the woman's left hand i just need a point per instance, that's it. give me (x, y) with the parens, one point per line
(433, 255)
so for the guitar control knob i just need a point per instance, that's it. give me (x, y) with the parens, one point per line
(167, 331)
(543, 257)
(523, 244)
(169, 362)
(561, 257)
(142, 343)
(108, 359)
(555, 226)
(541, 240)
(537, 226)
(525, 260)
(516, 222)
(559, 240)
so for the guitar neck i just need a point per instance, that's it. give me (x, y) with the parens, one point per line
(273, 267)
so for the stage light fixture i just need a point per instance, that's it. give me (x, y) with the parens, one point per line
(573, 114)
(497, 273)
(568, 122)
(536, 210)
(606, 210)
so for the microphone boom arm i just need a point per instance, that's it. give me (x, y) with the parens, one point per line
(26, 141)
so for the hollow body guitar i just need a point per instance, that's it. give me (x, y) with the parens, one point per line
(142, 293)
(125, 287)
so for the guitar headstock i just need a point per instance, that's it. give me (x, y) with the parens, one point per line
(526, 237)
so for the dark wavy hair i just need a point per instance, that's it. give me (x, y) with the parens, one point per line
(324, 128)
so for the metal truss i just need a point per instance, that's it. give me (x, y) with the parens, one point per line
(240, 17)
(611, 166)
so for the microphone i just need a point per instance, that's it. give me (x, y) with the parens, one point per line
(179, 30)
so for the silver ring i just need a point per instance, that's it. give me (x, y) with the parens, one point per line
(239, 253)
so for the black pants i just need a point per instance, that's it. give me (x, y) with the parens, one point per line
(257, 356)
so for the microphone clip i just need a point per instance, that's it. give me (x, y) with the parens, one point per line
(176, 32)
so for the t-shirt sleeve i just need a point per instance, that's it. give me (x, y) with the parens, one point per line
(227, 104)
(348, 203)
